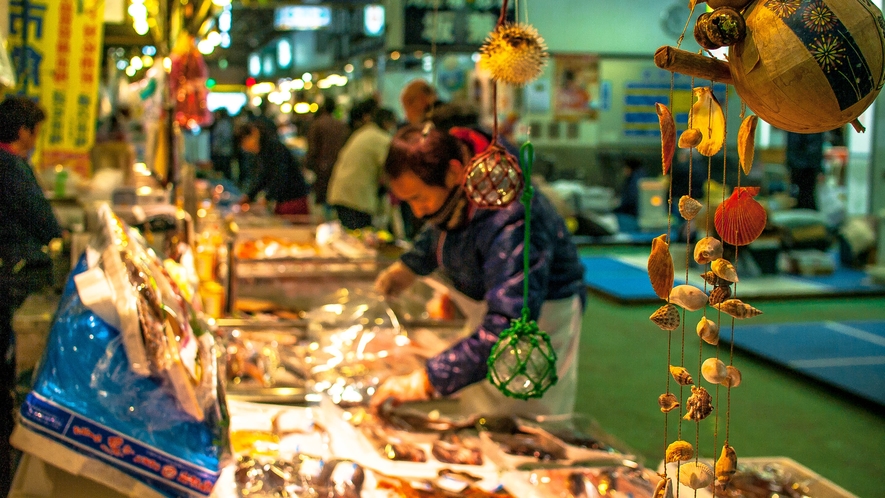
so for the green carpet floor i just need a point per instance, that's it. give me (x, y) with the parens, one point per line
(774, 412)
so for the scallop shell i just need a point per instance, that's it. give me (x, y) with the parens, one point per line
(707, 249)
(706, 115)
(740, 219)
(695, 475)
(668, 402)
(664, 488)
(668, 136)
(732, 377)
(714, 370)
(726, 466)
(666, 317)
(689, 297)
(708, 331)
(699, 405)
(690, 138)
(660, 267)
(681, 376)
(738, 309)
(747, 142)
(724, 270)
(719, 294)
(712, 279)
(679, 451)
(688, 207)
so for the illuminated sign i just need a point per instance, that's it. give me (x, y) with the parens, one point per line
(301, 17)
(373, 20)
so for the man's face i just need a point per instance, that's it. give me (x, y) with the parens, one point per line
(251, 141)
(28, 137)
(425, 199)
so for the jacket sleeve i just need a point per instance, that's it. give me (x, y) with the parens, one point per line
(465, 363)
(28, 203)
(422, 258)
(265, 163)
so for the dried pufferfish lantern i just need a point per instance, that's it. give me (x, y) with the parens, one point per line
(514, 53)
(810, 65)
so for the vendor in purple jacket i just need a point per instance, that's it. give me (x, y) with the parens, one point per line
(478, 253)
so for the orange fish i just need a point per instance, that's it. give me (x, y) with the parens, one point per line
(740, 219)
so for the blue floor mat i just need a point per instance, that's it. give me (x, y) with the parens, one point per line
(848, 355)
(628, 283)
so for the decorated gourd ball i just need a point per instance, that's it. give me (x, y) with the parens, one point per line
(810, 66)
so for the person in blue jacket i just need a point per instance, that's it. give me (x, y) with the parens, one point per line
(27, 226)
(279, 172)
(479, 253)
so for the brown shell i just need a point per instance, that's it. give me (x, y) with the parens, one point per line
(695, 475)
(707, 250)
(688, 207)
(668, 402)
(732, 377)
(738, 309)
(747, 142)
(690, 138)
(666, 317)
(689, 297)
(668, 136)
(664, 487)
(713, 280)
(719, 294)
(724, 270)
(740, 219)
(706, 115)
(714, 370)
(726, 466)
(679, 450)
(660, 267)
(708, 331)
(699, 405)
(681, 375)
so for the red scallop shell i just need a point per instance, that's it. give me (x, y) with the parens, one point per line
(740, 219)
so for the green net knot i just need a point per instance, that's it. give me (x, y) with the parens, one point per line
(522, 364)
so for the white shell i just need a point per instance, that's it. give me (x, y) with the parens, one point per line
(695, 475)
(714, 370)
(708, 331)
(689, 297)
(724, 270)
(732, 377)
(707, 250)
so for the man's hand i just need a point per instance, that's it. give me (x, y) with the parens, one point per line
(412, 387)
(394, 280)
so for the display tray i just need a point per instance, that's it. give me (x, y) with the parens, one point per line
(815, 484)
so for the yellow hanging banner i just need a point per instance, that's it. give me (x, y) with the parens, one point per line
(56, 47)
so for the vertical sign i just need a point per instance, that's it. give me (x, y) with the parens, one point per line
(56, 48)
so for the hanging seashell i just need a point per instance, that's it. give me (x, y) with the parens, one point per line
(695, 475)
(719, 294)
(668, 402)
(738, 309)
(668, 136)
(706, 115)
(700, 33)
(707, 249)
(690, 138)
(514, 53)
(699, 405)
(681, 376)
(726, 466)
(689, 208)
(732, 377)
(660, 267)
(666, 317)
(679, 451)
(747, 142)
(740, 219)
(708, 331)
(724, 270)
(713, 280)
(713, 370)
(689, 297)
(664, 487)
(726, 27)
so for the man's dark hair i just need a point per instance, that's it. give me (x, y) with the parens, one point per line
(361, 110)
(329, 105)
(243, 130)
(17, 112)
(425, 155)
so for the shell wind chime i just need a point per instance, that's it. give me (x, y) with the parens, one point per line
(522, 363)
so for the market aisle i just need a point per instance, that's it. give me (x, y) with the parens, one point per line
(775, 412)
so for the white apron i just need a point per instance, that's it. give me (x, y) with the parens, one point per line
(561, 319)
